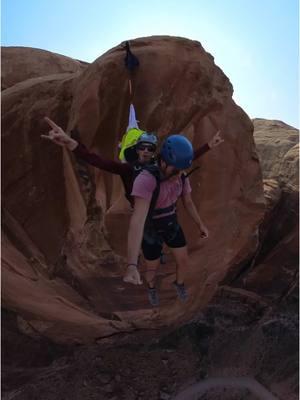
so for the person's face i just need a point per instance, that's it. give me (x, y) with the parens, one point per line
(145, 152)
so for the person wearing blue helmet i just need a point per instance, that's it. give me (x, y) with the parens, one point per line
(161, 226)
(177, 152)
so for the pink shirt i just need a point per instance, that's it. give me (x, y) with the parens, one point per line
(170, 190)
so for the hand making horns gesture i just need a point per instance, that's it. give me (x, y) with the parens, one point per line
(215, 140)
(58, 136)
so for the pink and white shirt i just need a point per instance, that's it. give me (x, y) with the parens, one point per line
(170, 190)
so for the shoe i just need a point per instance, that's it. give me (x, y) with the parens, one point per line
(181, 291)
(153, 296)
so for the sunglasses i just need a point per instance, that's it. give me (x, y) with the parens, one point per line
(146, 147)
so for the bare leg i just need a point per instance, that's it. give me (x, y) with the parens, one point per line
(151, 268)
(182, 260)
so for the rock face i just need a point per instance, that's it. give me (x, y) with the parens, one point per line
(278, 147)
(278, 151)
(21, 63)
(275, 270)
(65, 225)
(64, 231)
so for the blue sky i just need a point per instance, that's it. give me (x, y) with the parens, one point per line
(255, 42)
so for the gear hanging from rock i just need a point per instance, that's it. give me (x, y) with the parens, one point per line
(131, 62)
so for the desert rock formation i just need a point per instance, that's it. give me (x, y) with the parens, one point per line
(64, 230)
(21, 63)
(65, 224)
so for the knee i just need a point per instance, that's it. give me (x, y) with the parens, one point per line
(183, 260)
(152, 265)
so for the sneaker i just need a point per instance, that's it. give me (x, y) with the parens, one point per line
(181, 291)
(153, 296)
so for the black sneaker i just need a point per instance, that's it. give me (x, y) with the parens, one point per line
(181, 291)
(153, 296)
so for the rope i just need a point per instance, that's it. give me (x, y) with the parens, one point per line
(130, 89)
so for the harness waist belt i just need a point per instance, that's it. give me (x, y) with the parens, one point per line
(165, 210)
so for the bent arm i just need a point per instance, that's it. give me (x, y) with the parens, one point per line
(201, 150)
(192, 210)
(136, 229)
(215, 141)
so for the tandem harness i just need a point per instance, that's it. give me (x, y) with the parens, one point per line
(164, 227)
(154, 170)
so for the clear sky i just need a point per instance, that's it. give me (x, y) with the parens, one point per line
(255, 42)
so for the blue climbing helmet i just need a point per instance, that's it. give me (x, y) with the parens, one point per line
(177, 151)
(148, 138)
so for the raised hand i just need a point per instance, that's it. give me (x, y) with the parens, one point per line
(216, 140)
(58, 136)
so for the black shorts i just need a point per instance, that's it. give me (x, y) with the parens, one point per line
(162, 230)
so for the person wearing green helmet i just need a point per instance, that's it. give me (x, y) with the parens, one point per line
(136, 153)
(176, 155)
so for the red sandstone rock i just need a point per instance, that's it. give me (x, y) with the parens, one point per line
(80, 295)
(278, 150)
(274, 139)
(21, 63)
(273, 273)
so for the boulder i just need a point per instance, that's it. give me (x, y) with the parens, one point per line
(289, 170)
(21, 63)
(278, 151)
(272, 274)
(66, 262)
(273, 140)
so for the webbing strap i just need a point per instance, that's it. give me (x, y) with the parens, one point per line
(153, 200)
(194, 169)
(168, 209)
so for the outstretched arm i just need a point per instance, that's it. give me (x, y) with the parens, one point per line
(213, 142)
(135, 235)
(192, 211)
(58, 136)
(98, 161)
